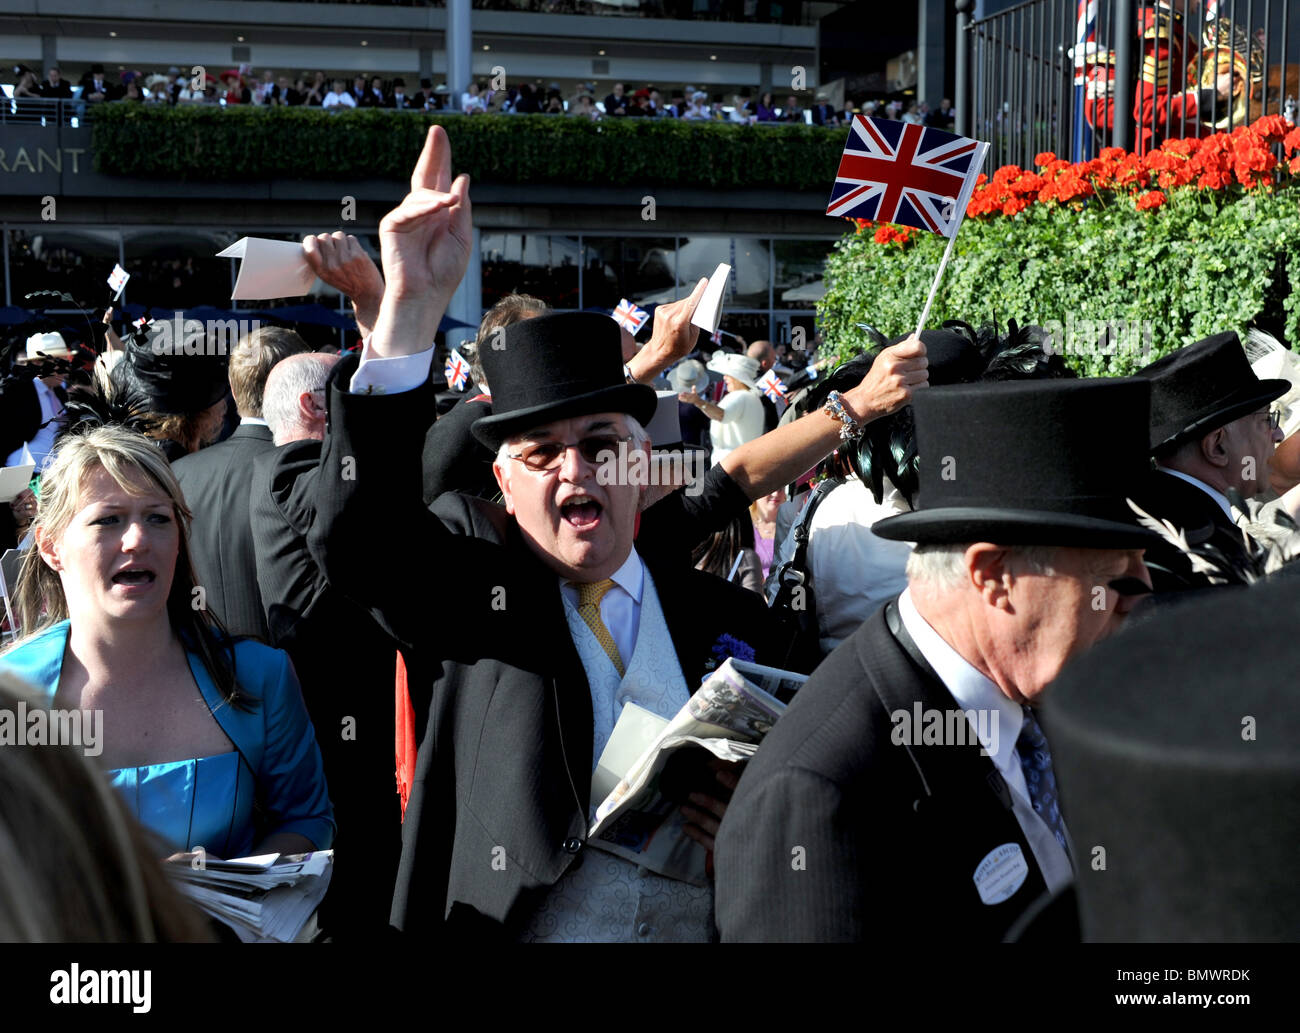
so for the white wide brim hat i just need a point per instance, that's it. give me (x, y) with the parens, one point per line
(742, 367)
(52, 345)
(689, 375)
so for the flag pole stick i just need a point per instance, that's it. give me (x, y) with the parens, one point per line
(934, 287)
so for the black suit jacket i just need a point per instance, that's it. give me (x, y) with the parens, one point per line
(346, 664)
(505, 755)
(837, 834)
(217, 482)
(1202, 521)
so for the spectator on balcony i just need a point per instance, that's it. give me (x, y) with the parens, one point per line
(174, 84)
(264, 91)
(358, 91)
(766, 109)
(824, 114)
(699, 109)
(374, 97)
(339, 97)
(284, 95)
(26, 85)
(96, 89)
(616, 104)
(636, 107)
(132, 92)
(427, 99)
(676, 109)
(472, 101)
(742, 109)
(399, 101)
(192, 94)
(236, 90)
(314, 95)
(585, 108)
(943, 117)
(792, 112)
(526, 101)
(913, 116)
(54, 88)
(157, 90)
(554, 106)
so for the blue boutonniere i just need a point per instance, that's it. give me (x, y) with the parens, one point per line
(728, 646)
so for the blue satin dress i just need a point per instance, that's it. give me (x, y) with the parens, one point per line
(209, 801)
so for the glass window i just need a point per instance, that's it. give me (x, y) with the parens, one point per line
(797, 276)
(637, 268)
(176, 267)
(748, 257)
(529, 263)
(71, 261)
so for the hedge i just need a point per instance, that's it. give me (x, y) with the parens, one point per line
(212, 143)
(1096, 245)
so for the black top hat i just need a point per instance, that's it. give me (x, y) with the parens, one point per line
(555, 367)
(1029, 463)
(1202, 387)
(1195, 805)
(170, 381)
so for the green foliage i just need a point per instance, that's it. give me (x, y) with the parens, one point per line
(212, 143)
(1202, 264)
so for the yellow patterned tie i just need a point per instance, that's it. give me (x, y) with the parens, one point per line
(589, 597)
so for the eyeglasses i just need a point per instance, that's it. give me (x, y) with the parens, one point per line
(1275, 419)
(547, 455)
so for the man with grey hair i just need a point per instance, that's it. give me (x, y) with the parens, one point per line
(294, 403)
(908, 792)
(765, 355)
(217, 481)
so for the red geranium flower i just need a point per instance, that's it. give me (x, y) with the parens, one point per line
(1154, 199)
(1044, 158)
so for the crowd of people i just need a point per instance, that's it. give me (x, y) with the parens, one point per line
(950, 524)
(242, 86)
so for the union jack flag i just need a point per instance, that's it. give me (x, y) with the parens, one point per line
(1085, 32)
(773, 386)
(716, 336)
(627, 315)
(456, 371)
(906, 174)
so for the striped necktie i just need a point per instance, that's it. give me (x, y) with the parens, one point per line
(589, 597)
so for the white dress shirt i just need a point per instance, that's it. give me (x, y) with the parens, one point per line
(620, 607)
(1214, 493)
(975, 692)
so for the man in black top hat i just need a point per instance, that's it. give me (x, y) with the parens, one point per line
(1212, 432)
(1188, 784)
(539, 619)
(908, 791)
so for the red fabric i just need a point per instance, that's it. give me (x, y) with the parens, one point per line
(405, 738)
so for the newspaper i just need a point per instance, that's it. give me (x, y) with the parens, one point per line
(271, 898)
(728, 716)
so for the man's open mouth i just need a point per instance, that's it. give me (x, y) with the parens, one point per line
(581, 511)
(134, 576)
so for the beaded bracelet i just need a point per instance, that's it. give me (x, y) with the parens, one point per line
(834, 407)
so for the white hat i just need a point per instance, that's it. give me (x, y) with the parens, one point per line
(742, 367)
(688, 375)
(52, 344)
(1274, 362)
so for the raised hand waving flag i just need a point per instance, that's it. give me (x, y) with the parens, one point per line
(630, 317)
(906, 174)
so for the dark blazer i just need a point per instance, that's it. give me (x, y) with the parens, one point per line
(835, 834)
(20, 413)
(217, 482)
(1202, 521)
(505, 753)
(346, 666)
(454, 460)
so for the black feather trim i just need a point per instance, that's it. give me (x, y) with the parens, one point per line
(90, 408)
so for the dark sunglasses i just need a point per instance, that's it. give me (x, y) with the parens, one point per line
(547, 455)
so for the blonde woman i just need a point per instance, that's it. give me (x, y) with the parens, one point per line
(114, 624)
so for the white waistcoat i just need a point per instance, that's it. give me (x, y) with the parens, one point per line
(607, 899)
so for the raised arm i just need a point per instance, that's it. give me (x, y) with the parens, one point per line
(340, 261)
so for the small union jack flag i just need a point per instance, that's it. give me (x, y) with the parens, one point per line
(117, 280)
(716, 336)
(906, 174)
(456, 371)
(629, 316)
(773, 386)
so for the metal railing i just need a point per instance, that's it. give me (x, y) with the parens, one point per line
(1071, 78)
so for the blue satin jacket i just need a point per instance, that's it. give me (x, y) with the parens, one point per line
(274, 774)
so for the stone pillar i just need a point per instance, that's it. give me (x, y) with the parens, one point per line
(931, 16)
(467, 303)
(460, 45)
